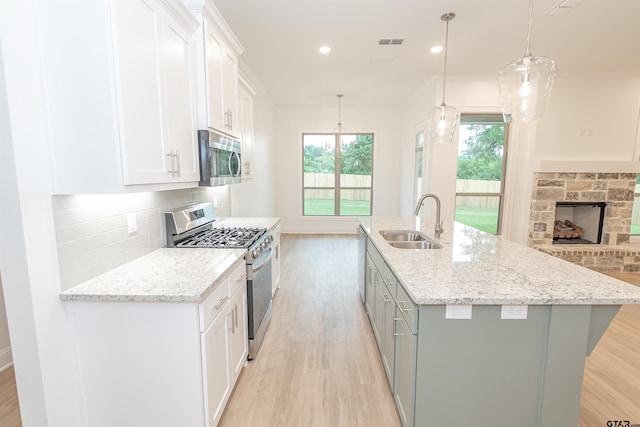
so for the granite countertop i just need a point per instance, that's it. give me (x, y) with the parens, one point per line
(168, 274)
(475, 267)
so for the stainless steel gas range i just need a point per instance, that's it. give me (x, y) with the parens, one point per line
(194, 226)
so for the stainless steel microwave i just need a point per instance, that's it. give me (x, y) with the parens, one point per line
(219, 159)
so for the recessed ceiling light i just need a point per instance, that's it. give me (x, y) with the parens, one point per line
(324, 49)
(437, 49)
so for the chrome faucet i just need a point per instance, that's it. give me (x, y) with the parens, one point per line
(438, 230)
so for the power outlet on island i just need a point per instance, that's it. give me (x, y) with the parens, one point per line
(132, 225)
(463, 311)
(514, 312)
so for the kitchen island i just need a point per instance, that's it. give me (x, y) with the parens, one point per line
(483, 331)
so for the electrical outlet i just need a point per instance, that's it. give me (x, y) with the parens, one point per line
(514, 312)
(458, 311)
(132, 225)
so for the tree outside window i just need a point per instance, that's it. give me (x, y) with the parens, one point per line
(481, 166)
(348, 192)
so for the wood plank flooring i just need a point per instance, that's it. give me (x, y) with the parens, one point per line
(611, 383)
(9, 407)
(318, 365)
(315, 366)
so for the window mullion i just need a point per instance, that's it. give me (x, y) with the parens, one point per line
(336, 206)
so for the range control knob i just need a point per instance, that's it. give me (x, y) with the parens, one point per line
(255, 253)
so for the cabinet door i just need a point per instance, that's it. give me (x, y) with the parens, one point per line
(179, 101)
(138, 39)
(215, 364)
(245, 110)
(230, 91)
(370, 291)
(215, 102)
(238, 335)
(387, 349)
(405, 371)
(276, 260)
(378, 311)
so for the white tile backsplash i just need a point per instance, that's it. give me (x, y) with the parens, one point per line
(91, 229)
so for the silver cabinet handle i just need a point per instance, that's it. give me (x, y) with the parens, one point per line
(401, 307)
(384, 298)
(233, 325)
(235, 315)
(396, 319)
(220, 303)
(177, 155)
(230, 119)
(172, 171)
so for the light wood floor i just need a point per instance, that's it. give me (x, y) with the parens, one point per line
(315, 366)
(318, 365)
(9, 408)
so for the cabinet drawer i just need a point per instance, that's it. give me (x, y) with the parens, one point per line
(214, 304)
(238, 278)
(408, 309)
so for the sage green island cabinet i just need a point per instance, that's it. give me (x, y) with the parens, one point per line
(483, 331)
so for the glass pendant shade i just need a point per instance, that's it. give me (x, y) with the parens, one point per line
(525, 86)
(442, 122)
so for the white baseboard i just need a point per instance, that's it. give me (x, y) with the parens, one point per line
(6, 358)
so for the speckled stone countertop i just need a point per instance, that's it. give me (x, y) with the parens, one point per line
(168, 274)
(474, 267)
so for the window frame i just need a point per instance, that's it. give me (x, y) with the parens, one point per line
(336, 185)
(489, 118)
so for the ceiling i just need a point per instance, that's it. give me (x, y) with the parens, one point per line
(281, 40)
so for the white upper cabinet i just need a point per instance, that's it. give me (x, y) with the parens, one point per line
(217, 51)
(245, 123)
(120, 94)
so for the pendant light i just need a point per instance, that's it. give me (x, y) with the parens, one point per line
(525, 84)
(443, 119)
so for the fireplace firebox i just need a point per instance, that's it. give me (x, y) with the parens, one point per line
(579, 222)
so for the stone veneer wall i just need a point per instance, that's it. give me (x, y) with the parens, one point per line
(616, 189)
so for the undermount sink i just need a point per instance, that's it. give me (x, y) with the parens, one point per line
(423, 244)
(402, 235)
(408, 239)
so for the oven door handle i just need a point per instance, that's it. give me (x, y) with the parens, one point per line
(260, 266)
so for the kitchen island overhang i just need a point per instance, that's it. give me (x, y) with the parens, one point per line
(486, 369)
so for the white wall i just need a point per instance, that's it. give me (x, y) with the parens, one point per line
(41, 338)
(604, 109)
(257, 196)
(389, 144)
(5, 342)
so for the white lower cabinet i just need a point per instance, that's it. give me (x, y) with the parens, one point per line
(162, 364)
(224, 342)
(276, 260)
(215, 358)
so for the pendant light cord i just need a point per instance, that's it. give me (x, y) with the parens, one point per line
(446, 52)
(528, 52)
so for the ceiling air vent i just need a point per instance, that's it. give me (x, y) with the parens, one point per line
(390, 42)
(562, 7)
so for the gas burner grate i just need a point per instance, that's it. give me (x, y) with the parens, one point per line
(224, 238)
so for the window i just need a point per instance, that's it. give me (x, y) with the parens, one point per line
(337, 182)
(635, 218)
(482, 148)
(419, 152)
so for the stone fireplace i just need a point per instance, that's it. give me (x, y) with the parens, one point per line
(613, 254)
